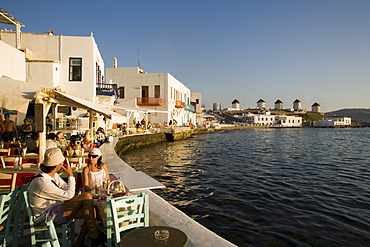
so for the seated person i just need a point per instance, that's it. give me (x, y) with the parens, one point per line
(26, 130)
(50, 141)
(73, 147)
(51, 198)
(61, 141)
(96, 172)
(87, 141)
(100, 138)
(32, 144)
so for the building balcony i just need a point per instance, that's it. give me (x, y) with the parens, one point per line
(149, 101)
(179, 104)
(106, 89)
(189, 107)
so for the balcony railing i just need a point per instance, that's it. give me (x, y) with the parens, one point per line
(179, 104)
(106, 89)
(149, 101)
(189, 107)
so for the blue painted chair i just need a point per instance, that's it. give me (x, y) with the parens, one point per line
(125, 213)
(67, 230)
(7, 203)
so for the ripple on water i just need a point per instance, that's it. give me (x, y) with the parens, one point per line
(283, 187)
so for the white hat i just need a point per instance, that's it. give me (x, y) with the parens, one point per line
(53, 157)
(95, 150)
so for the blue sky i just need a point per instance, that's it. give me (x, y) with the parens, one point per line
(279, 49)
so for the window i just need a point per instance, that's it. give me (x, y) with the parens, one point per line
(157, 91)
(121, 92)
(75, 69)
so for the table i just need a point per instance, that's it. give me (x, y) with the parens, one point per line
(145, 237)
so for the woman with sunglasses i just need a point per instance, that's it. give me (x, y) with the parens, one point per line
(96, 172)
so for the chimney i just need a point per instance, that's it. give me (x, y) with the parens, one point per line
(114, 62)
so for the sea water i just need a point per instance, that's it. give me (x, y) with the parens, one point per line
(269, 187)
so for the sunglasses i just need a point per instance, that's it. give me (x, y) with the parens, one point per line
(93, 156)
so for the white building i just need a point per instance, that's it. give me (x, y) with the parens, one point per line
(288, 121)
(196, 101)
(335, 122)
(73, 63)
(159, 92)
(261, 119)
(266, 119)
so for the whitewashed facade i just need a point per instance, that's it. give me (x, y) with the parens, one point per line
(335, 122)
(161, 92)
(289, 121)
(73, 63)
(14, 68)
(266, 119)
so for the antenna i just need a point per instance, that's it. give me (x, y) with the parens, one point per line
(138, 56)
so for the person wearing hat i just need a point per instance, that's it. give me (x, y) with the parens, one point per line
(51, 198)
(96, 172)
(61, 141)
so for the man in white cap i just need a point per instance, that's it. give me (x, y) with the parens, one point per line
(51, 198)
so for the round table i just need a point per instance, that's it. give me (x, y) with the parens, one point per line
(145, 237)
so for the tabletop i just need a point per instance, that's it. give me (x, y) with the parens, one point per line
(145, 237)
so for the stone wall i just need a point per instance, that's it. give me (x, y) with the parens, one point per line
(135, 141)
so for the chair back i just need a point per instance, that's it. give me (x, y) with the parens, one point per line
(5, 151)
(12, 161)
(53, 238)
(128, 212)
(7, 204)
(7, 182)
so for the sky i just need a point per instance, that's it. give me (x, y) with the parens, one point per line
(311, 50)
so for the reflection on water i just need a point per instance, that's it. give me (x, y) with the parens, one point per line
(278, 187)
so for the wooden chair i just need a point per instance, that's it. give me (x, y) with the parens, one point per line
(7, 204)
(11, 161)
(67, 229)
(5, 151)
(125, 213)
(79, 161)
(7, 182)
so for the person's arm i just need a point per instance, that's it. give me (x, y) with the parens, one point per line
(62, 192)
(104, 166)
(2, 126)
(15, 130)
(86, 178)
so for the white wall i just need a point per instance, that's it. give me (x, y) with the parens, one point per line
(49, 65)
(12, 62)
(133, 78)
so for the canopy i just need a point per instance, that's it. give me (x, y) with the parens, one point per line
(67, 99)
(15, 95)
(6, 18)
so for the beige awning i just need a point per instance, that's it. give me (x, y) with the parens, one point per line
(67, 99)
(15, 95)
(6, 18)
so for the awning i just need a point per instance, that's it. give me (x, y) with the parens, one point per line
(6, 18)
(15, 95)
(67, 99)
(136, 109)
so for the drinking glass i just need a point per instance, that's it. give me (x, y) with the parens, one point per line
(162, 234)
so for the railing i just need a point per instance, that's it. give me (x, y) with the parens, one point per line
(149, 101)
(106, 89)
(189, 107)
(179, 104)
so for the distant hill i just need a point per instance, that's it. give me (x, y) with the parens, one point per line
(359, 115)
